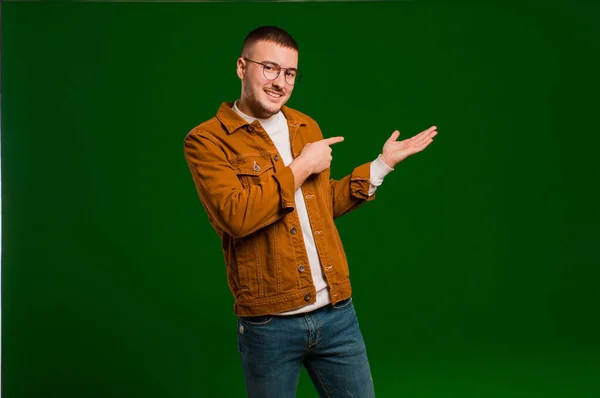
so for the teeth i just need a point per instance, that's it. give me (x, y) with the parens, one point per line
(273, 94)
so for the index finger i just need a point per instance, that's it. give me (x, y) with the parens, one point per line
(333, 140)
(430, 130)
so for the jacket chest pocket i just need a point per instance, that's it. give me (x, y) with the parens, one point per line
(253, 170)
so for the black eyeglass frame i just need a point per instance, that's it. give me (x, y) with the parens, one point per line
(279, 69)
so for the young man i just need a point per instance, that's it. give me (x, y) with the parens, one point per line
(261, 170)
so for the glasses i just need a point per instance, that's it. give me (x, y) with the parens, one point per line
(272, 70)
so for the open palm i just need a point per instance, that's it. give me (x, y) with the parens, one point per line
(396, 151)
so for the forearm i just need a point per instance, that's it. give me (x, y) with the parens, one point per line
(242, 212)
(358, 187)
(301, 173)
(378, 170)
(350, 191)
(238, 210)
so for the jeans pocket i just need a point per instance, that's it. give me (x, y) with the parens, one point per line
(343, 304)
(260, 320)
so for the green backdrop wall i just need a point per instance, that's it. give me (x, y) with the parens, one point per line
(475, 272)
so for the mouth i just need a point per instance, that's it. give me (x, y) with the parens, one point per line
(274, 94)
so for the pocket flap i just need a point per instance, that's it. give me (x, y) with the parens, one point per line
(254, 166)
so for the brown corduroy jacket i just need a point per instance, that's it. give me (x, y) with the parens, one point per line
(248, 195)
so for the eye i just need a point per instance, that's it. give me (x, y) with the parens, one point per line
(271, 67)
(291, 73)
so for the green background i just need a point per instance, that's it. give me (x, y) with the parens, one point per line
(475, 272)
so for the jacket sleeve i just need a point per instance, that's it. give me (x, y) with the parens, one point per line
(351, 191)
(237, 210)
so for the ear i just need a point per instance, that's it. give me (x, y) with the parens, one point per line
(241, 68)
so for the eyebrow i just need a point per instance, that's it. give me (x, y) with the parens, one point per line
(268, 61)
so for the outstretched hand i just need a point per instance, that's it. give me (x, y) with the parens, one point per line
(396, 151)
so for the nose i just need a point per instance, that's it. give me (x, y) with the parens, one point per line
(280, 80)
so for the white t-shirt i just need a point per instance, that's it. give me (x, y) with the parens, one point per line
(277, 129)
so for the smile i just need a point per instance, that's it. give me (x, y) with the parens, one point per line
(273, 94)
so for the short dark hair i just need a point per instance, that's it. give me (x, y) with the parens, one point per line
(271, 34)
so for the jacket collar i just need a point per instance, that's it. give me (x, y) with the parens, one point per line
(232, 121)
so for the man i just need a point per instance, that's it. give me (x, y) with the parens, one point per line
(261, 170)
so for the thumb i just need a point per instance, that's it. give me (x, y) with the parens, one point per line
(394, 136)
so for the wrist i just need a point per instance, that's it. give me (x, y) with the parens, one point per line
(300, 167)
(386, 161)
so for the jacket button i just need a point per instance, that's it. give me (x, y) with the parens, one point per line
(251, 128)
(276, 158)
(301, 268)
(293, 231)
(307, 297)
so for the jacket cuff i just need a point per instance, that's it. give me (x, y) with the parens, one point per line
(287, 182)
(361, 182)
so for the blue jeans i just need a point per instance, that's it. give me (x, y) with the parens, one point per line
(327, 341)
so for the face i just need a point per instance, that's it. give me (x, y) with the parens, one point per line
(262, 97)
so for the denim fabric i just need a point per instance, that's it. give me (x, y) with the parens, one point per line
(328, 342)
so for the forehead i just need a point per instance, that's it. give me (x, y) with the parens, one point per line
(269, 51)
